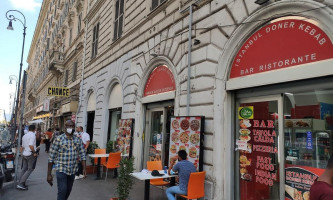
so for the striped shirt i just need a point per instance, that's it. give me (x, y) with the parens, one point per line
(64, 153)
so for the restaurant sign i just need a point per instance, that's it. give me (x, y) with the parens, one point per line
(159, 81)
(58, 91)
(281, 44)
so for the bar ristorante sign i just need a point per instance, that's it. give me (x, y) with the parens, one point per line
(281, 44)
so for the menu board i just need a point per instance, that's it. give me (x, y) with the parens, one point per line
(187, 134)
(124, 137)
(258, 166)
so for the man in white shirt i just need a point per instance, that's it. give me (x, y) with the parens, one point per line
(29, 156)
(85, 137)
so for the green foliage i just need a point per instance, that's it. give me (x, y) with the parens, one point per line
(91, 149)
(109, 146)
(125, 180)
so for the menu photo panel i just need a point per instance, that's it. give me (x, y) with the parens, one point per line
(124, 137)
(186, 133)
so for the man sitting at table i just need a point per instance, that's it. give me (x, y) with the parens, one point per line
(184, 169)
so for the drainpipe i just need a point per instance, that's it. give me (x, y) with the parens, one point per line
(82, 72)
(189, 62)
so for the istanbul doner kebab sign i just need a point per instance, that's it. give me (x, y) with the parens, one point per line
(281, 44)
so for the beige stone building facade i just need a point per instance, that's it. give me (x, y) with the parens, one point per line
(248, 68)
(55, 60)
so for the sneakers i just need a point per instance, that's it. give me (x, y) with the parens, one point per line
(21, 187)
(81, 176)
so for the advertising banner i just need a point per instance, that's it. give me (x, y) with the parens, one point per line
(124, 137)
(187, 134)
(299, 180)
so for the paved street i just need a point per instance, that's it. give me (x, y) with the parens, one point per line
(86, 189)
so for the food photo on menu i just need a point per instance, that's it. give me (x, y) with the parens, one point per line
(186, 133)
(124, 137)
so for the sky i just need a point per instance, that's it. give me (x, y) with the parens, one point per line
(11, 46)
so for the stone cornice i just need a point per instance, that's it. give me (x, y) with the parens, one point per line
(94, 10)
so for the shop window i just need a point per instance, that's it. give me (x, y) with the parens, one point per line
(118, 23)
(308, 127)
(114, 117)
(156, 3)
(95, 41)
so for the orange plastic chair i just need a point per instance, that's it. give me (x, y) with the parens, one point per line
(103, 160)
(113, 162)
(196, 186)
(156, 165)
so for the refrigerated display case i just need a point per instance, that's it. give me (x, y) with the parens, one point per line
(307, 143)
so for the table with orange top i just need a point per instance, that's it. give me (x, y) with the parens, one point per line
(147, 177)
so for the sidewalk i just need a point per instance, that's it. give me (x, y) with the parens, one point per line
(84, 189)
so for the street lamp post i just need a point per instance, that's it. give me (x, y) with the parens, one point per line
(12, 18)
(11, 78)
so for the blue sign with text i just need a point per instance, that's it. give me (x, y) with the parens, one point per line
(309, 140)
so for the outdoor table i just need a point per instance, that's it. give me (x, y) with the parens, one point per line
(98, 156)
(147, 177)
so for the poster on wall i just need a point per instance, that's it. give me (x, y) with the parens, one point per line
(124, 137)
(299, 180)
(187, 134)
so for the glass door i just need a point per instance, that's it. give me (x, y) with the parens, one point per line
(258, 166)
(157, 134)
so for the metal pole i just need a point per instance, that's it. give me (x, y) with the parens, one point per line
(189, 62)
(21, 120)
(13, 18)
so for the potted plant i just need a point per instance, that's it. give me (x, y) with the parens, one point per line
(125, 180)
(109, 146)
(91, 150)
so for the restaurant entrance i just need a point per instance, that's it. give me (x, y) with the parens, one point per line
(258, 153)
(283, 141)
(157, 134)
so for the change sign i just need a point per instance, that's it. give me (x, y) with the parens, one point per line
(58, 91)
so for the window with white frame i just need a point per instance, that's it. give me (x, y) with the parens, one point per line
(79, 23)
(95, 41)
(156, 3)
(118, 23)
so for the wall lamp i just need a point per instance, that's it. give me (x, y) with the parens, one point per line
(196, 42)
(261, 2)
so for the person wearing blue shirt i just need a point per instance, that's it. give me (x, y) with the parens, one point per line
(184, 169)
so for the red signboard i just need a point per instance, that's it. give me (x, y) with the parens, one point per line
(279, 45)
(160, 80)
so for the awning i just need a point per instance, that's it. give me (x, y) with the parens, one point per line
(38, 121)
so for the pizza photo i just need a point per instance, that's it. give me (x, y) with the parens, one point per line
(173, 149)
(174, 137)
(184, 138)
(194, 138)
(193, 152)
(184, 124)
(175, 124)
(173, 160)
(182, 148)
(195, 125)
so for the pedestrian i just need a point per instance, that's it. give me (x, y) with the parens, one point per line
(64, 152)
(322, 188)
(184, 169)
(29, 157)
(47, 140)
(85, 137)
(38, 136)
(55, 134)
